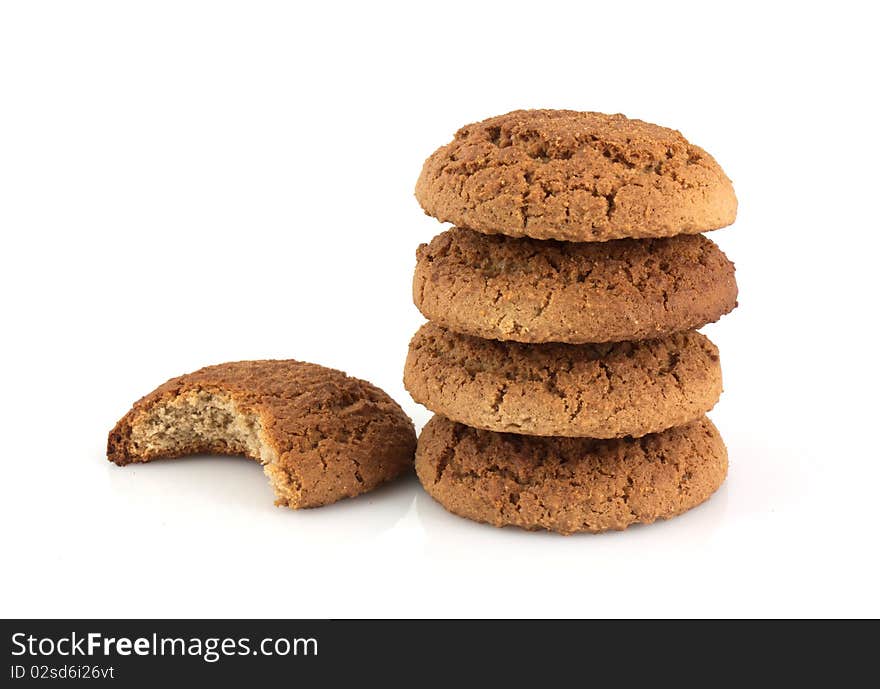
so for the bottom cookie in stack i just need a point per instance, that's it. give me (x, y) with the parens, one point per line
(569, 485)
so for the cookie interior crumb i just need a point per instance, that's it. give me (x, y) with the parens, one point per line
(196, 419)
(202, 421)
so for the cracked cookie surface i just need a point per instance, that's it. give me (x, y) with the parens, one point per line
(530, 290)
(575, 176)
(569, 485)
(592, 390)
(321, 435)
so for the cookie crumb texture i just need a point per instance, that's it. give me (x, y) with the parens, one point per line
(569, 485)
(319, 434)
(530, 290)
(598, 391)
(575, 176)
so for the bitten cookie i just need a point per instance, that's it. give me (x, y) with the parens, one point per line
(569, 484)
(596, 391)
(531, 290)
(575, 176)
(319, 434)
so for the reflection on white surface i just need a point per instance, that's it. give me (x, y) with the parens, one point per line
(237, 487)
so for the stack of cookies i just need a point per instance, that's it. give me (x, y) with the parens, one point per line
(561, 359)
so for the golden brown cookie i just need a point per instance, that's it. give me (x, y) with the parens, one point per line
(319, 434)
(532, 290)
(575, 176)
(592, 390)
(569, 484)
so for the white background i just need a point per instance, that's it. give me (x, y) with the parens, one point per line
(188, 183)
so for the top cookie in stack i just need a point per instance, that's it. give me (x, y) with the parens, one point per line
(562, 305)
(577, 177)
